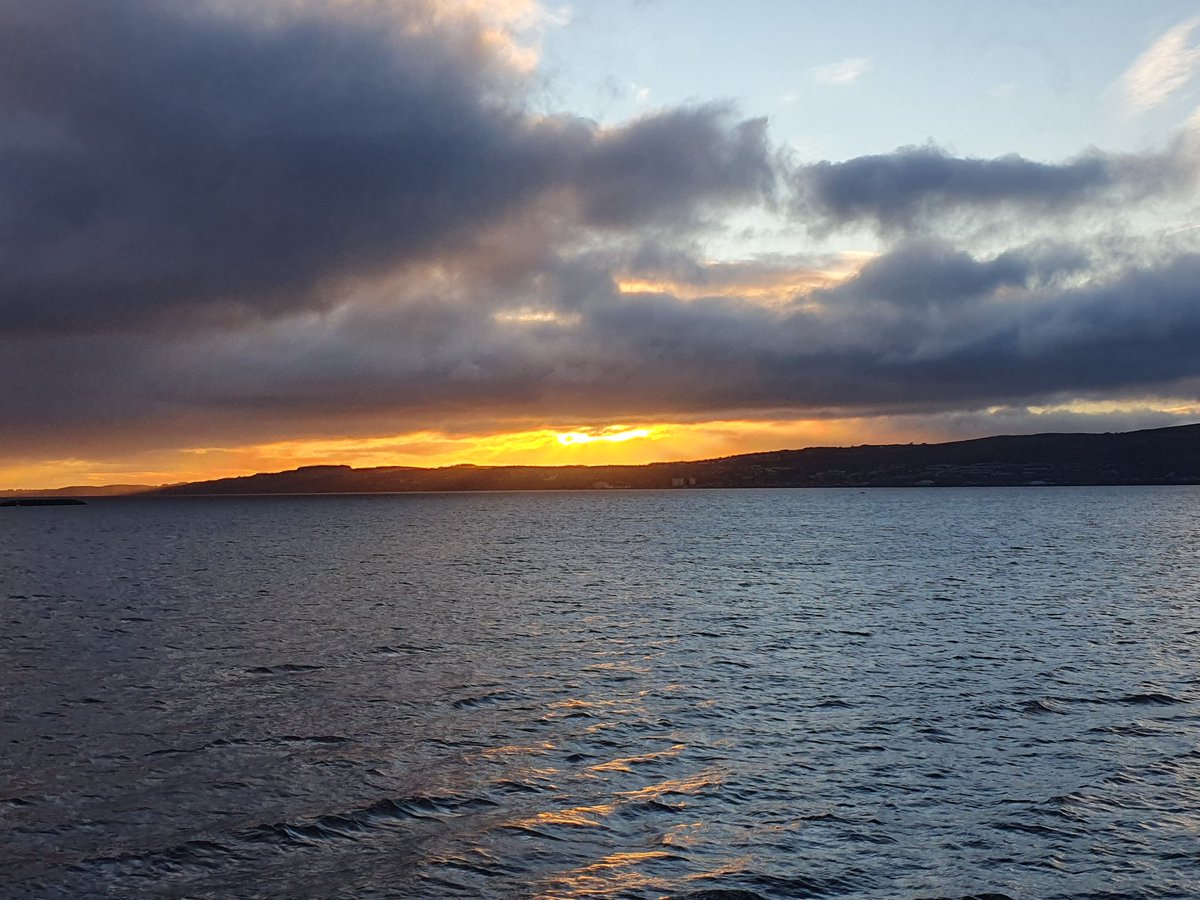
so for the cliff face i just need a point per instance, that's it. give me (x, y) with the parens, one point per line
(1158, 456)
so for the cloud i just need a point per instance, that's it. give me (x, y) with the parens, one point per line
(845, 72)
(926, 328)
(169, 164)
(1164, 68)
(661, 169)
(935, 273)
(914, 186)
(223, 224)
(770, 279)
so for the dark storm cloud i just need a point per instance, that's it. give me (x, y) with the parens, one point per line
(1014, 337)
(163, 159)
(933, 272)
(1005, 331)
(912, 185)
(642, 173)
(342, 219)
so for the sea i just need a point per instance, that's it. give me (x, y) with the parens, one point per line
(909, 693)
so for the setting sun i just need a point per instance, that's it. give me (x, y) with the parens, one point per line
(613, 434)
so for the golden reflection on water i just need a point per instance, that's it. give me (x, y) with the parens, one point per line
(576, 816)
(610, 875)
(625, 763)
(732, 865)
(684, 834)
(622, 872)
(574, 705)
(510, 749)
(690, 785)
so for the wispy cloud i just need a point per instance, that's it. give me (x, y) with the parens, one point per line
(845, 72)
(1163, 69)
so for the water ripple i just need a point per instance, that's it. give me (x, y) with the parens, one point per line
(702, 695)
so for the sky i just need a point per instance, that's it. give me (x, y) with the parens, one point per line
(249, 235)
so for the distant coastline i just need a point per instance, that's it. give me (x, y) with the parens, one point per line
(1155, 456)
(76, 491)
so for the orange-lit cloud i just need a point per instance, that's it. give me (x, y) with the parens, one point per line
(767, 282)
(531, 316)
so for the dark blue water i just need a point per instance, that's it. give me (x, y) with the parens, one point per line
(911, 693)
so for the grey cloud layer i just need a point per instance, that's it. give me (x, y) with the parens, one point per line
(189, 196)
(160, 159)
(1008, 332)
(898, 191)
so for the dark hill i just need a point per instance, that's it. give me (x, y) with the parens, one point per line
(1156, 456)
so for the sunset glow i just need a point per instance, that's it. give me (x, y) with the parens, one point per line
(623, 444)
(599, 448)
(615, 434)
(772, 283)
(440, 232)
(592, 445)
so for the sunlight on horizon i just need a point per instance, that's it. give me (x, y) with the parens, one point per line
(615, 434)
(634, 443)
(631, 442)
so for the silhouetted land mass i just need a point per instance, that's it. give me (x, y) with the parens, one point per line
(1156, 456)
(42, 501)
(82, 490)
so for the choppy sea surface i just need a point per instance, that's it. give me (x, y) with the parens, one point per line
(821, 693)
